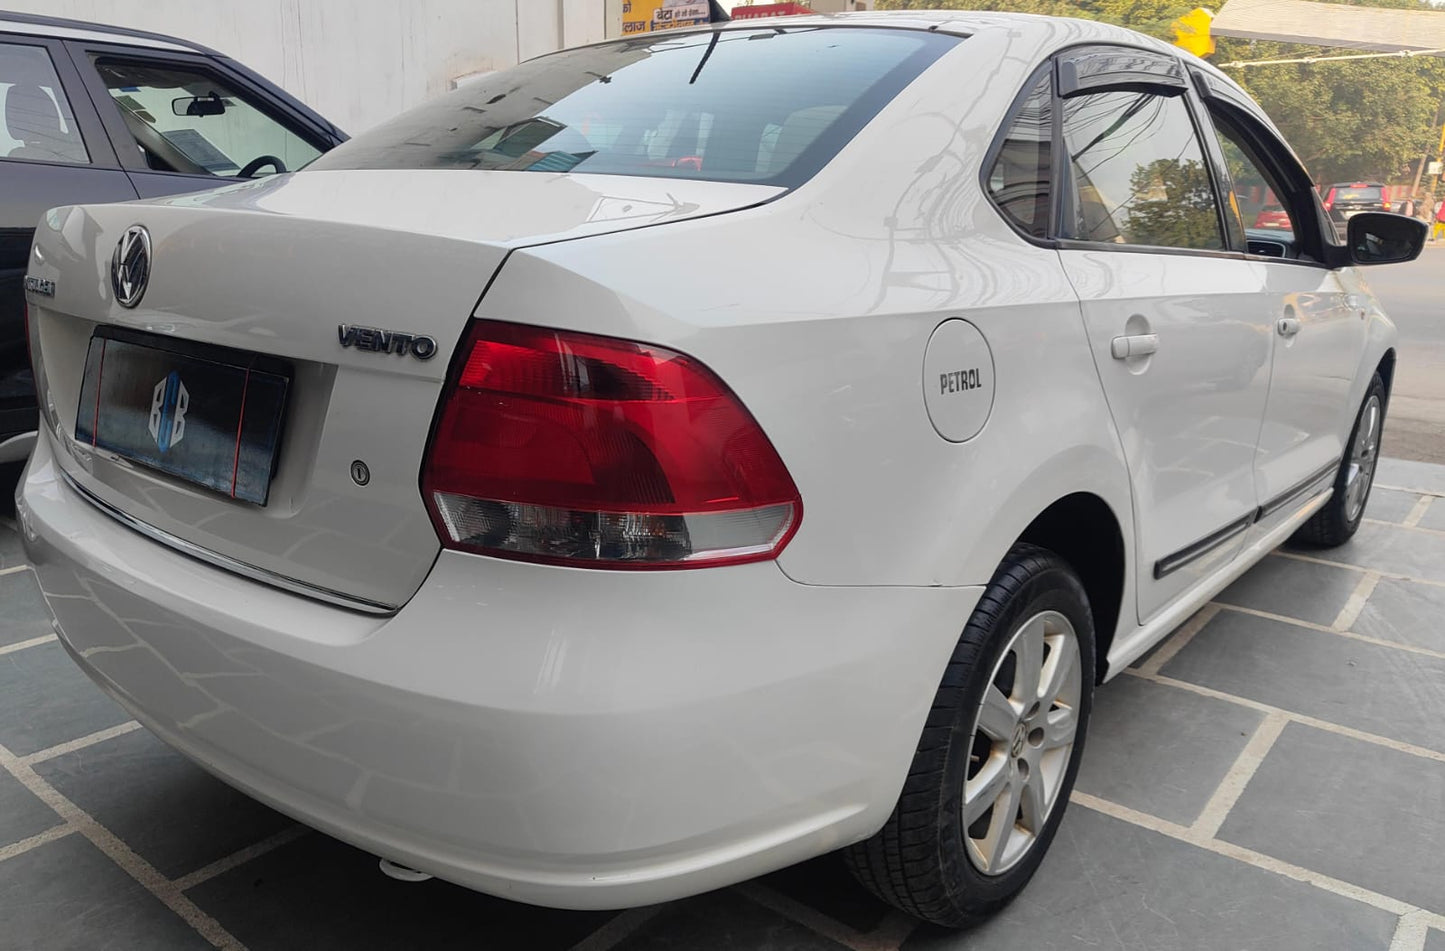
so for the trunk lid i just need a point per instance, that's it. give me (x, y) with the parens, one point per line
(279, 267)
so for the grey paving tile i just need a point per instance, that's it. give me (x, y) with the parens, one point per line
(317, 894)
(174, 814)
(1370, 687)
(1294, 588)
(721, 920)
(23, 613)
(1106, 884)
(1353, 810)
(21, 813)
(1390, 548)
(1408, 474)
(1435, 940)
(1160, 749)
(11, 552)
(46, 700)
(825, 885)
(67, 895)
(1389, 505)
(1404, 611)
(1434, 517)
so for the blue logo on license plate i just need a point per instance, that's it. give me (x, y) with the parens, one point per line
(169, 402)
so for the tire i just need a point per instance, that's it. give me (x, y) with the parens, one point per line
(927, 860)
(1337, 521)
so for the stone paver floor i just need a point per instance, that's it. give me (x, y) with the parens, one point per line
(1271, 777)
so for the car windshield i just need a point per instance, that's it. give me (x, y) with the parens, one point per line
(770, 106)
(1357, 193)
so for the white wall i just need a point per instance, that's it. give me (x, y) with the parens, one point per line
(356, 61)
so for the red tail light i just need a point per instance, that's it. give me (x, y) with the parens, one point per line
(592, 451)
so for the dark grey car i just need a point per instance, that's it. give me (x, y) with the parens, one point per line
(96, 113)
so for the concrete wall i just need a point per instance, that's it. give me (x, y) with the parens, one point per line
(356, 61)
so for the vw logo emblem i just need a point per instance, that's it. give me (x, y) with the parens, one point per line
(130, 266)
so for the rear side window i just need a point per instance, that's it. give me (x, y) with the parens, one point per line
(770, 106)
(1018, 181)
(1358, 193)
(1138, 172)
(39, 125)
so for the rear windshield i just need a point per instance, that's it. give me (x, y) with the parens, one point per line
(1358, 193)
(769, 106)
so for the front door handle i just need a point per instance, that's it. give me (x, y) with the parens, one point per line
(1134, 345)
(1287, 326)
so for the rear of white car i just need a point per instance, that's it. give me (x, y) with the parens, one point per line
(668, 460)
(498, 600)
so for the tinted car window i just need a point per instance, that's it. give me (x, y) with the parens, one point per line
(1359, 193)
(1019, 179)
(186, 120)
(768, 105)
(1138, 172)
(39, 125)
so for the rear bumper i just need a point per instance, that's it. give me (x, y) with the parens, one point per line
(569, 738)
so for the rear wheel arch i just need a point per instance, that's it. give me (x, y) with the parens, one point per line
(1082, 529)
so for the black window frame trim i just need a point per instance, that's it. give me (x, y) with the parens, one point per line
(1044, 70)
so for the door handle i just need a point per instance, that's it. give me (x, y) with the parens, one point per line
(1287, 326)
(1134, 345)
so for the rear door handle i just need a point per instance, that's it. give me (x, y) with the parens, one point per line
(1134, 345)
(1287, 326)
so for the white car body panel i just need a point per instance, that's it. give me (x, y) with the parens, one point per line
(1189, 415)
(593, 739)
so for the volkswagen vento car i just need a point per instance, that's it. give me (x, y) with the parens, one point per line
(96, 113)
(671, 459)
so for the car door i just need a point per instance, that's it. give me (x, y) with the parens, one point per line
(1318, 314)
(183, 122)
(52, 152)
(1175, 318)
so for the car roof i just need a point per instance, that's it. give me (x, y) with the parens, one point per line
(32, 24)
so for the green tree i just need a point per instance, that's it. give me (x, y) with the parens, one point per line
(1178, 208)
(1348, 120)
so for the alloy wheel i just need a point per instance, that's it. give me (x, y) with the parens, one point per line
(1022, 741)
(1364, 453)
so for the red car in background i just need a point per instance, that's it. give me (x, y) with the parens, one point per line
(1272, 216)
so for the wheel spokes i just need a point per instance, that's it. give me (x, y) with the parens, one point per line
(997, 717)
(984, 789)
(1063, 658)
(1059, 728)
(1001, 826)
(1028, 662)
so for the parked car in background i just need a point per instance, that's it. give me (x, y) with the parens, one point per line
(96, 113)
(1345, 200)
(671, 459)
(1272, 216)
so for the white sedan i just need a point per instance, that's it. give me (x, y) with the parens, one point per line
(671, 459)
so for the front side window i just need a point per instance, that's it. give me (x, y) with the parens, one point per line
(1019, 179)
(39, 125)
(1259, 199)
(185, 120)
(1139, 175)
(769, 106)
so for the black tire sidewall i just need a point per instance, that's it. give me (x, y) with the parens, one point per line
(1055, 588)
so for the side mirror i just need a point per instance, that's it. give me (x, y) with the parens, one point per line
(1380, 238)
(212, 105)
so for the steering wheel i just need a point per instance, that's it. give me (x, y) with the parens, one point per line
(260, 162)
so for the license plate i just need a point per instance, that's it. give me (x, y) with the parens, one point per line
(208, 415)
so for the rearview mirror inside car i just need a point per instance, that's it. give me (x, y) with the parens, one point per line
(212, 105)
(1380, 238)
